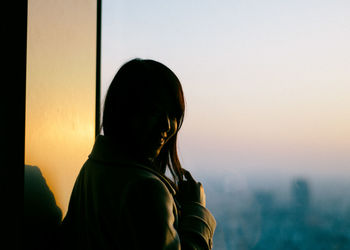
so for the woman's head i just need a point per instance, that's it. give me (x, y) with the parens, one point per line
(144, 109)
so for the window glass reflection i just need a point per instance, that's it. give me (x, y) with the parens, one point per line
(60, 98)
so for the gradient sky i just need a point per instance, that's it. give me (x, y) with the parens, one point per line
(267, 83)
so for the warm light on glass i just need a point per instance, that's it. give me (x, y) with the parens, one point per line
(60, 98)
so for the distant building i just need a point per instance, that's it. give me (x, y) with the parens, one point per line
(300, 196)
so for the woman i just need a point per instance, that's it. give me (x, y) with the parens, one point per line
(122, 198)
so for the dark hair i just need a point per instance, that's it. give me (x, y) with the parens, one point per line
(134, 87)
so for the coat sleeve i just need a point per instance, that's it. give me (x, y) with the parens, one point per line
(149, 218)
(196, 226)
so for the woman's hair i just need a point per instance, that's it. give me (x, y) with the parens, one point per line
(134, 88)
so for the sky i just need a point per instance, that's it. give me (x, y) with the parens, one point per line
(266, 83)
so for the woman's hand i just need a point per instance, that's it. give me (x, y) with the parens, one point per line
(190, 190)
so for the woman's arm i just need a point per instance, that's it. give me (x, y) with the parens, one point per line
(195, 219)
(149, 214)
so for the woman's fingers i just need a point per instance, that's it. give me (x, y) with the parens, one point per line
(190, 190)
(188, 175)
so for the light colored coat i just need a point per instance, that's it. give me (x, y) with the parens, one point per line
(118, 204)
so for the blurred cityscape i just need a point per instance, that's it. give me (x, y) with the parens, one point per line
(273, 219)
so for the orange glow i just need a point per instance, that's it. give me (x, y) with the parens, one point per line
(60, 108)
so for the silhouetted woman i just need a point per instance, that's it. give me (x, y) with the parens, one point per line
(122, 198)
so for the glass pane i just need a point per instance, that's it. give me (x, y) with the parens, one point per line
(267, 125)
(60, 98)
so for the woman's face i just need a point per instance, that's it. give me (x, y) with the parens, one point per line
(151, 129)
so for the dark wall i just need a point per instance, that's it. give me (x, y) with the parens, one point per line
(13, 77)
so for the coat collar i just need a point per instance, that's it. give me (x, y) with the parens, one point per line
(106, 151)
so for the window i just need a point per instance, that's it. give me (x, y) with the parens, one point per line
(268, 104)
(60, 98)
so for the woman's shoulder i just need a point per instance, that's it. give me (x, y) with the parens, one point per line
(150, 183)
(143, 176)
(150, 193)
